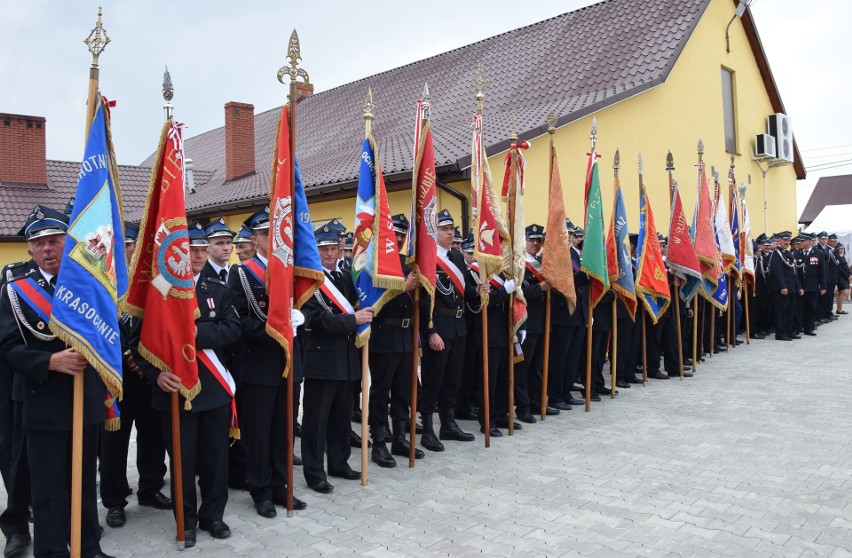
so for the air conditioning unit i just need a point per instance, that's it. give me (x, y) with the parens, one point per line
(780, 126)
(764, 147)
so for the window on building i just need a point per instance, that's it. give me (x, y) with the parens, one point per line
(729, 111)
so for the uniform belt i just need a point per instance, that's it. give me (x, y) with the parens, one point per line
(403, 323)
(454, 312)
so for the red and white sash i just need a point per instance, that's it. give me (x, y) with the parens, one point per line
(495, 280)
(330, 290)
(534, 267)
(226, 380)
(452, 271)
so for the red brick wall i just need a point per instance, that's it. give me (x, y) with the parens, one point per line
(23, 154)
(239, 139)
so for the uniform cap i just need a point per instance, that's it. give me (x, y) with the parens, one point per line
(349, 241)
(131, 232)
(218, 228)
(457, 237)
(326, 235)
(400, 223)
(44, 221)
(534, 231)
(258, 220)
(197, 234)
(244, 236)
(444, 218)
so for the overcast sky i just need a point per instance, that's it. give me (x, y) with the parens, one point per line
(220, 51)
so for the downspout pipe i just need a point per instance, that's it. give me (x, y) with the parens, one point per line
(465, 224)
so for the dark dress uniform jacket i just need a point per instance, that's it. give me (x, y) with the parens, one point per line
(26, 345)
(217, 327)
(387, 332)
(813, 270)
(329, 342)
(535, 303)
(782, 273)
(448, 307)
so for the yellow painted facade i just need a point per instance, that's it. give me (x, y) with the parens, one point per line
(672, 116)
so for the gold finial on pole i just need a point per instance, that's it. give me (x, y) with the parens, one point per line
(368, 112)
(168, 93)
(97, 39)
(731, 170)
(514, 135)
(551, 123)
(425, 107)
(479, 82)
(670, 163)
(616, 161)
(700, 151)
(714, 173)
(594, 134)
(742, 188)
(294, 54)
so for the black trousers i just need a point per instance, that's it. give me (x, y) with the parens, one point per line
(498, 386)
(810, 310)
(566, 347)
(390, 381)
(237, 448)
(827, 301)
(625, 365)
(669, 344)
(783, 314)
(15, 517)
(204, 448)
(326, 423)
(263, 430)
(150, 451)
(440, 374)
(49, 456)
(528, 375)
(600, 342)
(654, 342)
(471, 374)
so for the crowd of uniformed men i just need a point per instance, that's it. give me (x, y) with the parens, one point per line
(800, 283)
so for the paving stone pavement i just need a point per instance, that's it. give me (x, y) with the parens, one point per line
(751, 457)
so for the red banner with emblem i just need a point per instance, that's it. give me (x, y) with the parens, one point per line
(162, 287)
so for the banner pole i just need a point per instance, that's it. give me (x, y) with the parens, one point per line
(415, 350)
(546, 364)
(613, 361)
(589, 353)
(177, 471)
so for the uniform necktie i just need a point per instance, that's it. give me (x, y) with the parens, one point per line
(53, 281)
(223, 275)
(336, 276)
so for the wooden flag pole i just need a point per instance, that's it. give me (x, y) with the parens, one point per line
(510, 207)
(589, 353)
(745, 307)
(365, 409)
(742, 190)
(96, 42)
(695, 301)
(644, 351)
(670, 169)
(546, 364)
(294, 72)
(613, 360)
(415, 361)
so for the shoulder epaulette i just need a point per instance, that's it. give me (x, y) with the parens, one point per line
(13, 272)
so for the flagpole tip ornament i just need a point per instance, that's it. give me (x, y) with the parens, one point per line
(742, 189)
(97, 40)
(670, 162)
(616, 161)
(294, 54)
(168, 88)
(594, 134)
(369, 107)
(424, 95)
(479, 83)
(551, 123)
(640, 164)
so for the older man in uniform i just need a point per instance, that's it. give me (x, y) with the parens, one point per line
(444, 341)
(331, 369)
(46, 370)
(784, 286)
(204, 428)
(263, 402)
(813, 282)
(135, 407)
(243, 244)
(832, 276)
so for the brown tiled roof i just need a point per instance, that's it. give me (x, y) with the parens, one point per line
(573, 65)
(829, 190)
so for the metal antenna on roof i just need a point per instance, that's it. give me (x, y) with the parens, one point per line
(479, 82)
(368, 113)
(168, 93)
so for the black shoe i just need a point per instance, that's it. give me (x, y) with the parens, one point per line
(115, 517)
(349, 474)
(797, 336)
(623, 385)
(297, 504)
(465, 413)
(355, 440)
(574, 402)
(218, 529)
(634, 380)
(101, 555)
(782, 338)
(265, 508)
(356, 415)
(16, 544)
(189, 538)
(428, 439)
(158, 500)
(595, 397)
(758, 336)
(323, 487)
(657, 375)
(810, 333)
(550, 411)
(562, 406)
(297, 460)
(504, 423)
(494, 432)
(604, 391)
(382, 457)
(527, 418)
(450, 429)
(403, 450)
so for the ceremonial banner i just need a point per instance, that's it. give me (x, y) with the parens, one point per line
(376, 270)
(703, 234)
(681, 254)
(736, 238)
(92, 280)
(619, 267)
(162, 290)
(556, 256)
(718, 296)
(491, 246)
(651, 281)
(747, 247)
(593, 261)
(294, 270)
(513, 191)
(421, 241)
(723, 232)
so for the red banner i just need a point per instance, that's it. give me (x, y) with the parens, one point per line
(491, 248)
(705, 238)
(162, 288)
(422, 246)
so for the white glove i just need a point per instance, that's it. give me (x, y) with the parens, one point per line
(296, 318)
(522, 336)
(509, 285)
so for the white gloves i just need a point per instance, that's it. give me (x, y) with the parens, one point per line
(509, 285)
(522, 336)
(296, 318)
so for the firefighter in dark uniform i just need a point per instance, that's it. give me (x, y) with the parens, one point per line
(466, 405)
(243, 245)
(784, 286)
(832, 264)
(46, 370)
(262, 405)
(444, 342)
(814, 281)
(331, 367)
(390, 365)
(760, 317)
(204, 428)
(528, 374)
(135, 408)
(221, 240)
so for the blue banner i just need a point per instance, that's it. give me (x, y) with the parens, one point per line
(306, 257)
(92, 280)
(656, 301)
(624, 285)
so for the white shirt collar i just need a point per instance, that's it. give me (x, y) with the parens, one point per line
(47, 276)
(442, 251)
(262, 259)
(217, 268)
(197, 276)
